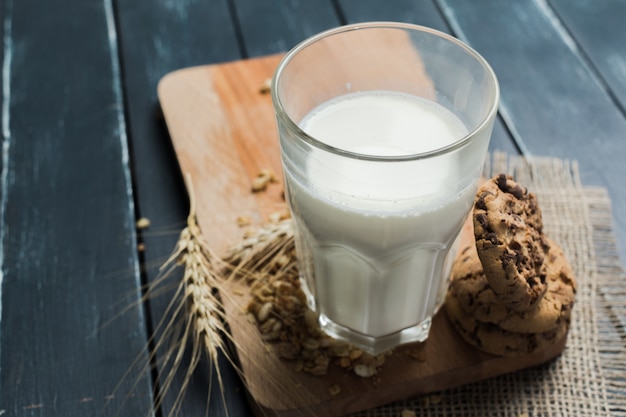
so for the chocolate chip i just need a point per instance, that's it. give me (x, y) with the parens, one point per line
(508, 258)
(470, 301)
(534, 281)
(481, 219)
(517, 191)
(501, 182)
(493, 238)
(551, 335)
(480, 201)
(510, 187)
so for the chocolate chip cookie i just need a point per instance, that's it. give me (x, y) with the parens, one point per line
(512, 289)
(508, 229)
(472, 292)
(493, 339)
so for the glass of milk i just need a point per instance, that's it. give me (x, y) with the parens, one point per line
(383, 129)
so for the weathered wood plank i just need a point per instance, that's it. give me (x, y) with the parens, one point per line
(423, 13)
(600, 30)
(158, 37)
(67, 219)
(3, 24)
(552, 101)
(270, 26)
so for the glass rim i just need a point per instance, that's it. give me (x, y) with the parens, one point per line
(301, 134)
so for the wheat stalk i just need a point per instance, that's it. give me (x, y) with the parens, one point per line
(267, 251)
(194, 317)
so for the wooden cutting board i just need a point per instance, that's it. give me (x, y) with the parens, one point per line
(224, 133)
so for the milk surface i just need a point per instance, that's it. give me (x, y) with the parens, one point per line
(383, 124)
(374, 238)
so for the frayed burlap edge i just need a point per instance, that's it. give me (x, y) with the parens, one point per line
(589, 378)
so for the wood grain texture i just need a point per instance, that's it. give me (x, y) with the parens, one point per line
(157, 37)
(270, 26)
(599, 30)
(552, 101)
(69, 259)
(3, 33)
(425, 13)
(161, 36)
(222, 154)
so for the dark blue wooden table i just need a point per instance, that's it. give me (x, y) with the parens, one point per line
(85, 153)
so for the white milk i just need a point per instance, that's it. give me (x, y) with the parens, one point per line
(373, 251)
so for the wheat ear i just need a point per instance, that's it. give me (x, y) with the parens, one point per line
(196, 317)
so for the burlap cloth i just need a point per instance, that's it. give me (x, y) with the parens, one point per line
(589, 378)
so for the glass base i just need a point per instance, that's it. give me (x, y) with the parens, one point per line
(375, 345)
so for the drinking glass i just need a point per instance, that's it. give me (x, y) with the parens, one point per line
(378, 209)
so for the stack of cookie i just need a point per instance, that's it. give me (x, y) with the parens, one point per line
(512, 292)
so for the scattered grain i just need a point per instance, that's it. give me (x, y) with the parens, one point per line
(251, 319)
(279, 216)
(262, 180)
(419, 354)
(407, 413)
(266, 261)
(264, 312)
(334, 390)
(364, 371)
(243, 221)
(311, 344)
(259, 184)
(355, 354)
(266, 87)
(143, 223)
(344, 362)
